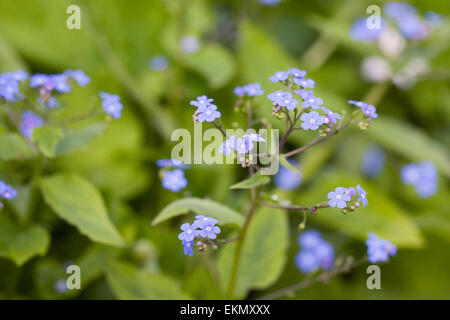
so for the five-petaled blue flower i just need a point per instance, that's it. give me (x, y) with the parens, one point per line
(243, 145)
(174, 180)
(296, 73)
(189, 232)
(372, 162)
(379, 250)
(79, 76)
(423, 176)
(201, 102)
(331, 116)
(279, 76)
(6, 191)
(251, 90)
(286, 101)
(338, 197)
(208, 113)
(312, 120)
(280, 94)
(310, 101)
(287, 179)
(29, 122)
(305, 83)
(111, 104)
(315, 252)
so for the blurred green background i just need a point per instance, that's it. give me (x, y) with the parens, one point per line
(240, 42)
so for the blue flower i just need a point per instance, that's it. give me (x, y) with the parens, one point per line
(171, 163)
(189, 232)
(434, 19)
(362, 195)
(312, 120)
(369, 110)
(395, 10)
(287, 179)
(201, 102)
(309, 239)
(305, 83)
(359, 104)
(270, 2)
(18, 75)
(379, 250)
(279, 76)
(373, 162)
(315, 252)
(296, 73)
(280, 94)
(30, 120)
(423, 176)
(174, 180)
(208, 113)
(338, 198)
(228, 145)
(79, 76)
(306, 261)
(331, 116)
(50, 103)
(253, 137)
(203, 221)
(187, 247)
(286, 101)
(6, 191)
(9, 89)
(361, 32)
(310, 100)
(208, 230)
(159, 63)
(412, 27)
(111, 104)
(243, 145)
(251, 90)
(38, 80)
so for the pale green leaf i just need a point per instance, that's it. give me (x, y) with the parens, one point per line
(14, 146)
(254, 181)
(263, 255)
(77, 201)
(207, 207)
(129, 283)
(47, 139)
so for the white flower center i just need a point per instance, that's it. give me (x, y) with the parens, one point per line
(189, 231)
(208, 228)
(208, 112)
(338, 197)
(286, 101)
(311, 100)
(312, 121)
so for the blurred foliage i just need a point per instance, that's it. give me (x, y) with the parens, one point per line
(109, 168)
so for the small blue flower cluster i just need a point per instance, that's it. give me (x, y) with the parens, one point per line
(206, 111)
(49, 87)
(241, 146)
(173, 180)
(423, 176)
(369, 110)
(287, 179)
(6, 191)
(315, 253)
(203, 227)
(372, 162)
(340, 196)
(402, 14)
(111, 104)
(379, 250)
(294, 79)
(250, 90)
(9, 85)
(271, 3)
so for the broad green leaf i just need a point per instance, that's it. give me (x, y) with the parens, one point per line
(77, 201)
(382, 215)
(73, 140)
(263, 255)
(47, 139)
(20, 243)
(409, 141)
(254, 181)
(210, 208)
(129, 283)
(14, 146)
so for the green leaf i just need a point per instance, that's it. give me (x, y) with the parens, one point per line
(77, 201)
(20, 243)
(73, 140)
(207, 207)
(382, 215)
(263, 255)
(409, 141)
(129, 283)
(14, 146)
(254, 181)
(47, 139)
